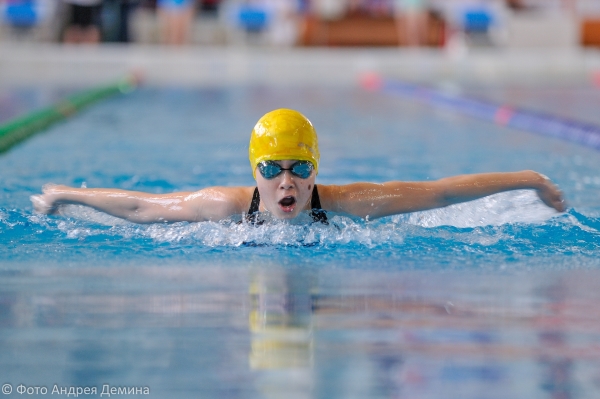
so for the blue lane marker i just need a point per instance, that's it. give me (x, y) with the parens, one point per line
(505, 115)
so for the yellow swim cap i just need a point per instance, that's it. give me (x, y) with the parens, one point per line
(283, 134)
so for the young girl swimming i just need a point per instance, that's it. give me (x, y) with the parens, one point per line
(284, 156)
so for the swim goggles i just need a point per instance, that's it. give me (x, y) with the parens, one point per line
(270, 169)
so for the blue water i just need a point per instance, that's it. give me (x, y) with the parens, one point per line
(491, 298)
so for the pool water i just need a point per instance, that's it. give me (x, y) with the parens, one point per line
(491, 298)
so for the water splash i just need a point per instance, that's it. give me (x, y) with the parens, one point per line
(498, 229)
(521, 206)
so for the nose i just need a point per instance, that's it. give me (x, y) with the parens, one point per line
(287, 180)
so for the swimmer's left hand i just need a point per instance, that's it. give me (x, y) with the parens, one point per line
(550, 194)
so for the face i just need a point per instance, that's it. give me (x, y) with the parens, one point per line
(286, 195)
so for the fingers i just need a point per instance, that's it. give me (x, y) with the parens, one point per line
(561, 205)
(553, 197)
(558, 199)
(44, 203)
(40, 205)
(558, 204)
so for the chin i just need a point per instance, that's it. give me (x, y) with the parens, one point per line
(287, 216)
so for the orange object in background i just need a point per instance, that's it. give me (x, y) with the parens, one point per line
(358, 29)
(590, 32)
(352, 30)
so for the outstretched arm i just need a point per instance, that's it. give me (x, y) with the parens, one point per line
(213, 203)
(378, 200)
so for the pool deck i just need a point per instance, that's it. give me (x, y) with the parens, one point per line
(51, 64)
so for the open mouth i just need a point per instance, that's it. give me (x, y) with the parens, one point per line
(287, 203)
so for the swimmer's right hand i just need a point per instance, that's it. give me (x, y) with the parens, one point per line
(47, 202)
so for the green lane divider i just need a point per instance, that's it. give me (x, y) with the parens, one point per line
(20, 128)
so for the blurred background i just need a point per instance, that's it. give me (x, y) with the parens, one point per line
(449, 24)
(195, 42)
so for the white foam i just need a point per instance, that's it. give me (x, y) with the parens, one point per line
(521, 206)
(514, 207)
(90, 215)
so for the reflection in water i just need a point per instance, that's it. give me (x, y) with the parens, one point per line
(284, 332)
(556, 363)
(280, 320)
(281, 328)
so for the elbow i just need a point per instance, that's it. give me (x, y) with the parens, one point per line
(447, 197)
(444, 201)
(143, 216)
(142, 219)
(443, 195)
(137, 213)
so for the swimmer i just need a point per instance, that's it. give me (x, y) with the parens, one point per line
(284, 156)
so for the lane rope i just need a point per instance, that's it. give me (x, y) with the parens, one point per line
(586, 134)
(20, 128)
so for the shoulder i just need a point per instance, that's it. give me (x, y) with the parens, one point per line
(238, 196)
(215, 203)
(333, 190)
(336, 197)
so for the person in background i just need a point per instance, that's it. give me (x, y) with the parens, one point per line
(176, 17)
(84, 21)
(283, 29)
(116, 15)
(411, 22)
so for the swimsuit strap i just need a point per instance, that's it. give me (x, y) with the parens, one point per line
(251, 216)
(317, 213)
(255, 202)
